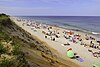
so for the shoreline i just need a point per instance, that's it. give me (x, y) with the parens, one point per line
(78, 30)
(62, 49)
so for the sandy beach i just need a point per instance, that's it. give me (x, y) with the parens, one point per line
(85, 46)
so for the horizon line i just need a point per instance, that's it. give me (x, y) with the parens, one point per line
(53, 15)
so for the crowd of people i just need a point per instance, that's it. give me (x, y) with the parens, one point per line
(53, 34)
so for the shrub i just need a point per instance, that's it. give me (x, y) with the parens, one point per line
(4, 36)
(4, 63)
(2, 49)
(16, 49)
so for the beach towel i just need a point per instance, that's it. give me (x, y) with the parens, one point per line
(62, 44)
(80, 59)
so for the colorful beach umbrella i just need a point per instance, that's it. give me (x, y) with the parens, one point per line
(70, 54)
(96, 65)
(70, 33)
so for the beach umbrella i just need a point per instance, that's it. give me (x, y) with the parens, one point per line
(70, 33)
(70, 54)
(96, 65)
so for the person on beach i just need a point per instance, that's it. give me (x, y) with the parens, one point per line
(82, 43)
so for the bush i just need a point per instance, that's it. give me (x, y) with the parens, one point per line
(4, 63)
(16, 49)
(2, 49)
(4, 36)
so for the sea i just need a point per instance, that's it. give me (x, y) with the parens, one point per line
(81, 23)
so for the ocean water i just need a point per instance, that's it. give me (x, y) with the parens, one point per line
(85, 23)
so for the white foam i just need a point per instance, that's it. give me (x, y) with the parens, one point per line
(94, 33)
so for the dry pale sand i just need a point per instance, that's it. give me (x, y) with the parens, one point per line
(57, 45)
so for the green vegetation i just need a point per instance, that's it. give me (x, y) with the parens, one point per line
(4, 18)
(5, 63)
(4, 36)
(16, 49)
(18, 59)
(2, 49)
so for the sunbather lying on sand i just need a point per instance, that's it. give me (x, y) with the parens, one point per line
(95, 54)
